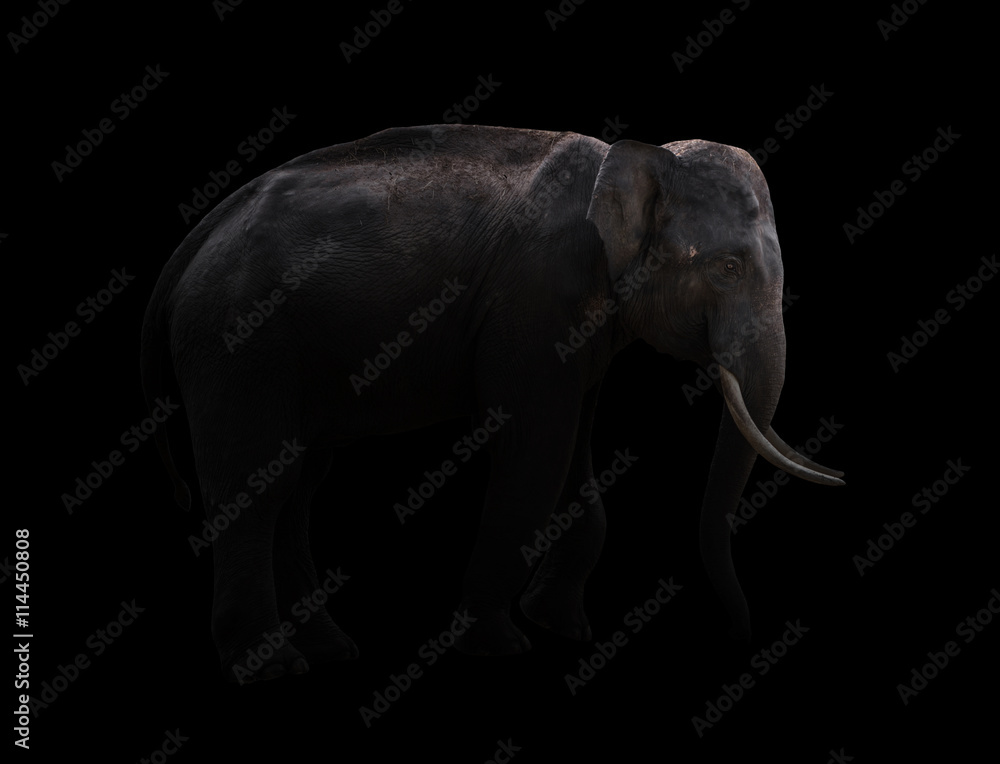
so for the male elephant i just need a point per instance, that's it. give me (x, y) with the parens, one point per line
(293, 318)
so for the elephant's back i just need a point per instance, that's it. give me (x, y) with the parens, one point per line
(473, 150)
(400, 206)
(374, 228)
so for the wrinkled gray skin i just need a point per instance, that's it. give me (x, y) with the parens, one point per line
(539, 228)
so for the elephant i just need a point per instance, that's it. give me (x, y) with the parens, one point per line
(423, 274)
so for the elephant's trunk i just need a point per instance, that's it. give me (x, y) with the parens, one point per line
(746, 418)
(731, 464)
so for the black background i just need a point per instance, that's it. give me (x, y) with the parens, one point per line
(835, 689)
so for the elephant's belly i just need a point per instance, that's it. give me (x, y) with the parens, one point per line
(393, 395)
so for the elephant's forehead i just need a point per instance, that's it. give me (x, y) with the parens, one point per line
(738, 160)
(710, 217)
(722, 176)
(694, 232)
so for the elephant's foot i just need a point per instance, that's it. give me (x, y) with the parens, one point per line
(491, 633)
(268, 657)
(322, 641)
(558, 611)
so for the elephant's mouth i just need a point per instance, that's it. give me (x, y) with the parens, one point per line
(768, 444)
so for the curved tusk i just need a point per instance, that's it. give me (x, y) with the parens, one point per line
(790, 453)
(738, 409)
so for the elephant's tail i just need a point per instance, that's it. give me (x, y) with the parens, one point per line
(152, 356)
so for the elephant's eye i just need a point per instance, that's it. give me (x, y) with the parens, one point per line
(732, 267)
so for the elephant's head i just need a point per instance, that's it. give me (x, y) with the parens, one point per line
(688, 231)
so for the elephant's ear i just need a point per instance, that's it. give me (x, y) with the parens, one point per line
(631, 180)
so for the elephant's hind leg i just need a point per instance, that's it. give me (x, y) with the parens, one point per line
(301, 595)
(245, 480)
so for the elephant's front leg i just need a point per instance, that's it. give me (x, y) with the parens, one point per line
(529, 462)
(571, 545)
